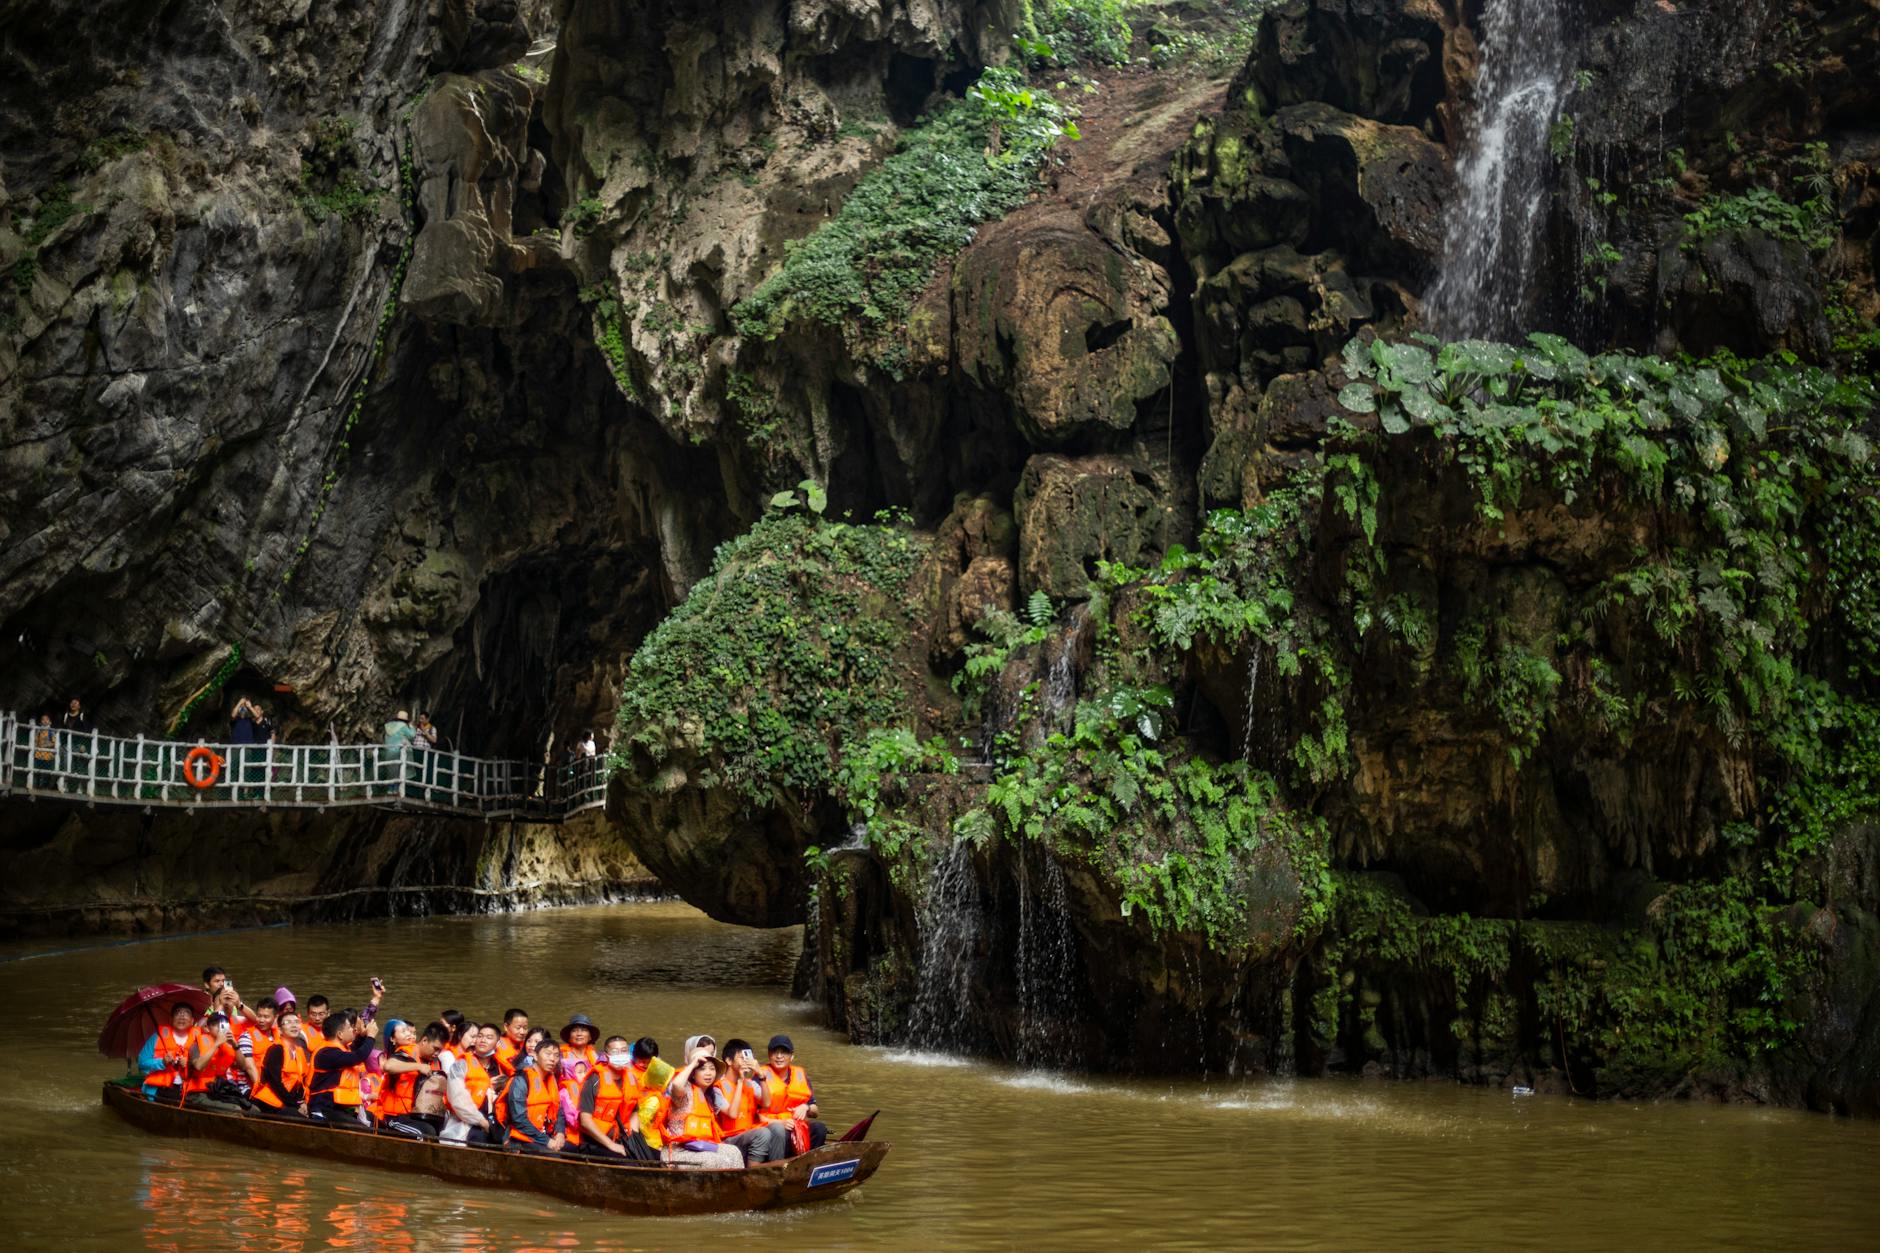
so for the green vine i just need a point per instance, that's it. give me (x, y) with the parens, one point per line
(223, 673)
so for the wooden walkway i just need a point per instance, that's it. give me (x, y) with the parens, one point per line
(93, 769)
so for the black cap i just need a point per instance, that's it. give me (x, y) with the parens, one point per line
(780, 1042)
(580, 1020)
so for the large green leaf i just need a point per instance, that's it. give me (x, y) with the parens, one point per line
(1357, 397)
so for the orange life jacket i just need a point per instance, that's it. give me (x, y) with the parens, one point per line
(259, 1042)
(219, 1062)
(544, 1096)
(611, 1101)
(312, 1034)
(507, 1051)
(586, 1053)
(169, 1048)
(348, 1086)
(296, 1069)
(784, 1091)
(476, 1077)
(399, 1092)
(699, 1122)
(740, 1111)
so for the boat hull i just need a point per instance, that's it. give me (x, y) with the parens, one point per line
(819, 1175)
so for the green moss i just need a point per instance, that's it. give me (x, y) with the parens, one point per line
(610, 336)
(1700, 987)
(971, 160)
(784, 654)
(332, 184)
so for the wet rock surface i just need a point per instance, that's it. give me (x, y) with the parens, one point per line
(396, 345)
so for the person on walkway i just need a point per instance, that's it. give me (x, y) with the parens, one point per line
(286, 1069)
(424, 751)
(515, 1033)
(336, 1092)
(467, 1084)
(164, 1060)
(46, 749)
(789, 1095)
(578, 1038)
(535, 1102)
(242, 721)
(692, 1135)
(73, 721)
(399, 737)
(243, 734)
(206, 1083)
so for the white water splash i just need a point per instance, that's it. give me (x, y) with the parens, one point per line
(1503, 173)
(949, 915)
(1048, 971)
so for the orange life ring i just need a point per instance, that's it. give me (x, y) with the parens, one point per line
(195, 778)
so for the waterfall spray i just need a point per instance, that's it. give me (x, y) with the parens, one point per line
(1047, 960)
(1502, 173)
(949, 916)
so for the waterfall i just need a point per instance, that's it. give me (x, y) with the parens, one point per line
(1253, 684)
(1503, 173)
(949, 917)
(1047, 962)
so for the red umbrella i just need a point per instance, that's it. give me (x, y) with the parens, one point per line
(142, 1012)
(859, 1131)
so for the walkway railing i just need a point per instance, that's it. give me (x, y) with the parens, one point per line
(38, 761)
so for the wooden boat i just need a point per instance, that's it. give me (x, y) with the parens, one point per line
(818, 1175)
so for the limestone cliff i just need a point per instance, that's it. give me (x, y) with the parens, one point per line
(1108, 662)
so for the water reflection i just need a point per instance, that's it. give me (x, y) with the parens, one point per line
(986, 1156)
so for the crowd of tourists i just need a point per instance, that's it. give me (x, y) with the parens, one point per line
(501, 1084)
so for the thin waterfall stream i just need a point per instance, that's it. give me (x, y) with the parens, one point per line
(1503, 173)
(949, 916)
(1047, 961)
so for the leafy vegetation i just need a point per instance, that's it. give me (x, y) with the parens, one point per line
(1001, 635)
(331, 182)
(1811, 220)
(1077, 32)
(610, 336)
(873, 778)
(970, 161)
(1189, 842)
(777, 661)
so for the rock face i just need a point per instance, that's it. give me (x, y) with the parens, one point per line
(398, 347)
(71, 871)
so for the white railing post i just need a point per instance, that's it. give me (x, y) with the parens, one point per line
(137, 788)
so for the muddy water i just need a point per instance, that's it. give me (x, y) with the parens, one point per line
(985, 1156)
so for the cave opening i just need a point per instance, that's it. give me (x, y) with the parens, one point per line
(908, 85)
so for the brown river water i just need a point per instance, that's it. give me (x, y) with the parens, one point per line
(985, 1156)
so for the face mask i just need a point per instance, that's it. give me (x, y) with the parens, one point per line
(620, 1060)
